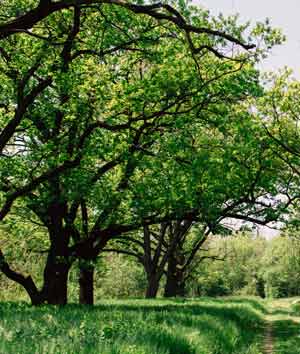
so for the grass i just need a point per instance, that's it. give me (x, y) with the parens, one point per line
(204, 326)
(285, 320)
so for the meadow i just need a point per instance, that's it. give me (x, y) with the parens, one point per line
(232, 325)
(204, 326)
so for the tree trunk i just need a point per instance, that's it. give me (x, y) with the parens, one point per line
(260, 286)
(56, 272)
(152, 286)
(86, 285)
(175, 284)
(55, 289)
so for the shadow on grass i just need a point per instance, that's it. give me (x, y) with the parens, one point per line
(255, 304)
(162, 327)
(283, 312)
(190, 318)
(162, 341)
(287, 337)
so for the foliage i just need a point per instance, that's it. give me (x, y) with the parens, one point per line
(251, 266)
(245, 264)
(116, 276)
(239, 270)
(282, 267)
(145, 118)
(120, 278)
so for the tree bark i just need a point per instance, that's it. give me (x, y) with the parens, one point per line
(86, 285)
(175, 284)
(55, 288)
(26, 282)
(56, 272)
(152, 286)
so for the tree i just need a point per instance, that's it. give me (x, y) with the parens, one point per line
(279, 110)
(246, 191)
(139, 95)
(160, 188)
(57, 35)
(241, 270)
(154, 249)
(188, 255)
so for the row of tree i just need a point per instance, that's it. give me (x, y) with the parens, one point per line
(127, 127)
(239, 264)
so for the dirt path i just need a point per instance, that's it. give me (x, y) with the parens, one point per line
(282, 329)
(268, 344)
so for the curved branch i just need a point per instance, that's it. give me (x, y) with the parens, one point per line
(158, 11)
(26, 282)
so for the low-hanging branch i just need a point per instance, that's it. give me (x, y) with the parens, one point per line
(26, 282)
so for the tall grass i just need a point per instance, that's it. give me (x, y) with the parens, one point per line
(202, 326)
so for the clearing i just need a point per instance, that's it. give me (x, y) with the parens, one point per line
(232, 325)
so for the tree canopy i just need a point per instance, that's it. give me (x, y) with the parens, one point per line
(116, 116)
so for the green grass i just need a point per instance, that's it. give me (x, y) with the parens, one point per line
(202, 326)
(284, 315)
(287, 337)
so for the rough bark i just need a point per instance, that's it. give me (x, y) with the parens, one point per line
(55, 288)
(152, 286)
(175, 283)
(86, 285)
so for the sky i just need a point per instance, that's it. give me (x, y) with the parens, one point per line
(283, 14)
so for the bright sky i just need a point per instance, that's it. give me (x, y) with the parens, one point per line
(284, 14)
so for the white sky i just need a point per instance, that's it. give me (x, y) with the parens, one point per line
(283, 14)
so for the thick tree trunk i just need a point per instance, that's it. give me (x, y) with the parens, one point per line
(55, 289)
(86, 285)
(174, 287)
(56, 272)
(152, 286)
(175, 283)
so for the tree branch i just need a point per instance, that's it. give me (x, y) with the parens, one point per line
(26, 282)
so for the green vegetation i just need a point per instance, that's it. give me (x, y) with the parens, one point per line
(203, 326)
(134, 137)
(233, 325)
(246, 265)
(128, 123)
(283, 317)
(249, 265)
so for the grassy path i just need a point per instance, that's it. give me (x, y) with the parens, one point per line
(230, 325)
(268, 343)
(282, 331)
